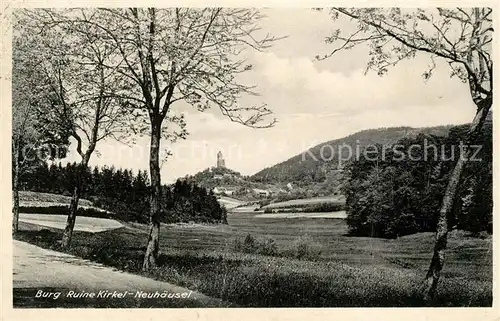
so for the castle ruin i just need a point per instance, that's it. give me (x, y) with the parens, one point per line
(221, 163)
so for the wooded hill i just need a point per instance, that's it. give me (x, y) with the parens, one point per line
(123, 193)
(304, 169)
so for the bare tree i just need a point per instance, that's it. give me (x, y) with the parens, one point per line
(179, 54)
(74, 64)
(36, 136)
(461, 37)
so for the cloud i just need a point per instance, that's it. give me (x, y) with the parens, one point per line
(324, 91)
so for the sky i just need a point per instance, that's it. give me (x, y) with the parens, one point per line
(313, 101)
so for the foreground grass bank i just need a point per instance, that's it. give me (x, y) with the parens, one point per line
(348, 272)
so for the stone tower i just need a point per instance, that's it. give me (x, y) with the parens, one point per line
(220, 160)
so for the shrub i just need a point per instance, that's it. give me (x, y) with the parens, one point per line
(304, 248)
(249, 244)
(252, 245)
(267, 246)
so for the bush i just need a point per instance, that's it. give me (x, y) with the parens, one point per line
(304, 248)
(248, 245)
(252, 245)
(267, 246)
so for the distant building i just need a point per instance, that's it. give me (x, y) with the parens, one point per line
(221, 163)
(276, 191)
(261, 192)
(218, 190)
(221, 190)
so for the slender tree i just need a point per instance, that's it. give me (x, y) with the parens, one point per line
(36, 136)
(172, 55)
(75, 64)
(462, 38)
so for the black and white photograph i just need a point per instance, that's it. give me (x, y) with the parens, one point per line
(250, 157)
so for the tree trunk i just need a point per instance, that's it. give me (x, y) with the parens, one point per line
(15, 189)
(437, 260)
(70, 222)
(152, 249)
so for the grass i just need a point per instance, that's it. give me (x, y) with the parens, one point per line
(331, 200)
(47, 203)
(302, 248)
(64, 209)
(229, 202)
(347, 271)
(27, 198)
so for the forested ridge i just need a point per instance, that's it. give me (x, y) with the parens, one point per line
(314, 164)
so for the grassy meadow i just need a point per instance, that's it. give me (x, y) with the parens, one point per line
(308, 201)
(27, 198)
(280, 262)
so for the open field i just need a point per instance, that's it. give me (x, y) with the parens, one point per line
(338, 214)
(247, 209)
(307, 201)
(27, 198)
(229, 202)
(87, 224)
(350, 271)
(47, 204)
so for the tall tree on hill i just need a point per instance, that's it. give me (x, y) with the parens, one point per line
(172, 55)
(36, 136)
(462, 38)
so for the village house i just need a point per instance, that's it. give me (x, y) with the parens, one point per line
(224, 190)
(276, 191)
(261, 192)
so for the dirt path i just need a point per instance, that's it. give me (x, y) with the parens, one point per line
(45, 272)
